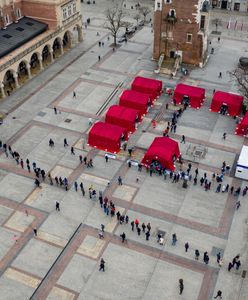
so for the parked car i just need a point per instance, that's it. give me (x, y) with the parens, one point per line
(122, 39)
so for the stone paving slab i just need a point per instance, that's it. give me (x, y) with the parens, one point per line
(16, 187)
(7, 240)
(77, 273)
(19, 221)
(5, 212)
(103, 169)
(91, 247)
(125, 192)
(22, 278)
(60, 294)
(12, 289)
(36, 257)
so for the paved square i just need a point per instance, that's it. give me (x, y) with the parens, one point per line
(67, 243)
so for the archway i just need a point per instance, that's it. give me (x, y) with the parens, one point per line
(22, 72)
(57, 48)
(67, 40)
(9, 82)
(46, 56)
(34, 64)
(77, 34)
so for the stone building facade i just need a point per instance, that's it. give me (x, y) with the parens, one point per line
(63, 22)
(181, 29)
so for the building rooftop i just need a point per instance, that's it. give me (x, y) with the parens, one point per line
(17, 34)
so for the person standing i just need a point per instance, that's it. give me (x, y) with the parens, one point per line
(197, 254)
(138, 230)
(224, 136)
(106, 158)
(183, 139)
(132, 225)
(35, 231)
(76, 186)
(181, 286)
(174, 239)
(186, 246)
(57, 206)
(74, 95)
(143, 227)
(102, 265)
(147, 235)
(218, 257)
(119, 180)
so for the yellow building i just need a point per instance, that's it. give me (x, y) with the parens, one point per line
(33, 34)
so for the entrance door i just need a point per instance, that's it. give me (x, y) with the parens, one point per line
(224, 4)
(236, 6)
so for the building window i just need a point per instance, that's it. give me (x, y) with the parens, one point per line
(64, 13)
(168, 1)
(158, 4)
(189, 38)
(69, 11)
(172, 13)
(6, 19)
(202, 23)
(74, 7)
(18, 13)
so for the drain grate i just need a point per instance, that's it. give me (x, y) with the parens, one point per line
(67, 120)
(162, 233)
(41, 114)
(243, 274)
(216, 250)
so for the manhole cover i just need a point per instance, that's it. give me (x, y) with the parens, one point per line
(198, 153)
(67, 120)
(87, 73)
(243, 275)
(216, 250)
(41, 114)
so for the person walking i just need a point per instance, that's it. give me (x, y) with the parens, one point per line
(186, 246)
(55, 110)
(143, 227)
(102, 265)
(174, 239)
(106, 158)
(35, 231)
(136, 222)
(57, 206)
(72, 151)
(183, 139)
(76, 186)
(74, 96)
(218, 295)
(138, 230)
(65, 142)
(224, 136)
(220, 75)
(132, 225)
(230, 266)
(148, 226)
(81, 159)
(123, 237)
(218, 257)
(99, 57)
(181, 286)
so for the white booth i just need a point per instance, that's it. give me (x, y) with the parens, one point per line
(242, 164)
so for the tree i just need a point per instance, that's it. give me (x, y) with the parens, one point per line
(137, 17)
(144, 10)
(217, 22)
(114, 17)
(240, 74)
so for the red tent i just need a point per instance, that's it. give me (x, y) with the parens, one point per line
(242, 128)
(122, 116)
(232, 101)
(106, 136)
(162, 150)
(135, 100)
(148, 86)
(195, 94)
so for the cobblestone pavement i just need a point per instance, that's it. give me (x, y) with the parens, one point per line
(62, 261)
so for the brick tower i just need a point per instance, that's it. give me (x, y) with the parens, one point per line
(181, 28)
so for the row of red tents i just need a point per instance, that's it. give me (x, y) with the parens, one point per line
(120, 120)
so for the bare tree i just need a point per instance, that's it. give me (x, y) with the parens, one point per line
(137, 17)
(240, 74)
(114, 22)
(217, 22)
(144, 10)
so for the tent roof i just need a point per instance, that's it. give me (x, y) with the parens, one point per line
(162, 147)
(193, 91)
(228, 98)
(134, 96)
(106, 130)
(244, 121)
(123, 113)
(151, 83)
